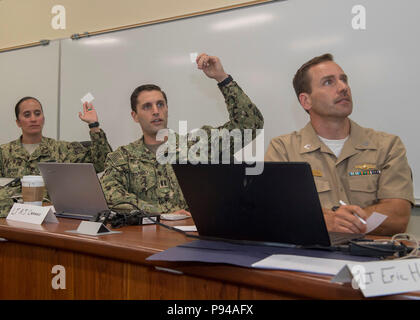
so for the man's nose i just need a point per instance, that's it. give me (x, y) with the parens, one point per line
(343, 87)
(155, 109)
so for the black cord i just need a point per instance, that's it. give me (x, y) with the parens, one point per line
(372, 248)
(401, 250)
(147, 215)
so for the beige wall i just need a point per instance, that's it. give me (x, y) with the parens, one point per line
(27, 21)
(414, 224)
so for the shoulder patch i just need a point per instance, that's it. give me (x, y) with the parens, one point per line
(117, 158)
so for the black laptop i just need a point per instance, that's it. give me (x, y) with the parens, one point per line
(281, 205)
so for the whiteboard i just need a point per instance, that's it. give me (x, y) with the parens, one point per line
(261, 47)
(29, 72)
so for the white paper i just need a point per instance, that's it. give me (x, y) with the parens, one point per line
(4, 181)
(186, 228)
(381, 278)
(302, 263)
(193, 56)
(87, 98)
(174, 216)
(374, 221)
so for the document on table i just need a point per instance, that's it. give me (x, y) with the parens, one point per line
(186, 228)
(312, 264)
(253, 255)
(302, 263)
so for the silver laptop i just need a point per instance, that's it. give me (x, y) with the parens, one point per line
(74, 189)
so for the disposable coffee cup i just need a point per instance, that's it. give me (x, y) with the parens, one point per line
(33, 189)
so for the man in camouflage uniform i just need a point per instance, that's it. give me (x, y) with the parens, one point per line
(134, 175)
(20, 157)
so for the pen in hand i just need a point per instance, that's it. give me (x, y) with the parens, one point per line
(356, 215)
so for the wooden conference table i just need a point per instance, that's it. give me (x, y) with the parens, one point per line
(114, 267)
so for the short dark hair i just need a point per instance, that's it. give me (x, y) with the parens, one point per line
(145, 87)
(23, 100)
(301, 80)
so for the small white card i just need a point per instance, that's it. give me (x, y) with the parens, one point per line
(87, 98)
(374, 221)
(193, 56)
(31, 214)
(382, 277)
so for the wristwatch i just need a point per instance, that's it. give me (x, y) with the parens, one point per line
(94, 124)
(225, 82)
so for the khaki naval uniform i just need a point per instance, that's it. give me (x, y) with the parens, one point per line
(134, 175)
(372, 165)
(16, 162)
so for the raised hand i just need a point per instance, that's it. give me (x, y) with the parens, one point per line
(211, 66)
(89, 114)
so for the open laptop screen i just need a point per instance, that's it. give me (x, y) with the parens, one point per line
(74, 189)
(279, 205)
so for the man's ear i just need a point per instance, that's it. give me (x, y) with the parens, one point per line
(134, 116)
(305, 101)
(18, 124)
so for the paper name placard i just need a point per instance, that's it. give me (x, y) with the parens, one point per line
(31, 214)
(383, 277)
(91, 228)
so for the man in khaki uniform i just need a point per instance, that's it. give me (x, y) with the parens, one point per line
(134, 173)
(20, 157)
(365, 169)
